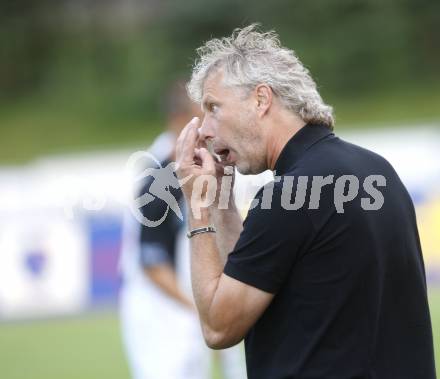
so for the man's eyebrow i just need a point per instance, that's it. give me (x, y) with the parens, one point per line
(205, 102)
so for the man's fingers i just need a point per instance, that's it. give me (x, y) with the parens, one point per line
(197, 158)
(181, 138)
(208, 163)
(187, 141)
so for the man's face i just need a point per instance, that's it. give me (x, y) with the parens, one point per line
(231, 124)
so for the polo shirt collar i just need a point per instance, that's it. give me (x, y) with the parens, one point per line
(298, 144)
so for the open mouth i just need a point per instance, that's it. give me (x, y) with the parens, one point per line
(219, 154)
(223, 154)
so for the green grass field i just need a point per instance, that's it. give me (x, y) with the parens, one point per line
(88, 347)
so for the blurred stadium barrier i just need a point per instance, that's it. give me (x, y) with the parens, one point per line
(61, 220)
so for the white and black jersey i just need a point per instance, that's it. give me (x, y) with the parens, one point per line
(158, 243)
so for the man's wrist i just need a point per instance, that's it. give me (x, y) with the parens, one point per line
(226, 212)
(205, 229)
(204, 219)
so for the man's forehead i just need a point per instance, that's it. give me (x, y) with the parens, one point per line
(213, 83)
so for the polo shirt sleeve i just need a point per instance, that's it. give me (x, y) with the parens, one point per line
(270, 243)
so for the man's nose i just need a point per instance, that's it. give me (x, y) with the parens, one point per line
(206, 131)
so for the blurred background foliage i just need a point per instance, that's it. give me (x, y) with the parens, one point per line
(81, 74)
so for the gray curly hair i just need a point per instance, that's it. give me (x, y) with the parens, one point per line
(250, 57)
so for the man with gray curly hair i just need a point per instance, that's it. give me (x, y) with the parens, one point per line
(251, 58)
(316, 291)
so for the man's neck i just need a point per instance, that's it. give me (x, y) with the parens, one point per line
(281, 131)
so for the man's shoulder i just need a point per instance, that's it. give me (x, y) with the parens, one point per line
(340, 157)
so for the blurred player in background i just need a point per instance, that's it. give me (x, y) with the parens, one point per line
(160, 326)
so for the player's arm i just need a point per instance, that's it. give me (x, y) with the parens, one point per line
(156, 250)
(228, 308)
(156, 265)
(164, 277)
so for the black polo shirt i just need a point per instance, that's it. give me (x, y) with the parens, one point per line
(349, 283)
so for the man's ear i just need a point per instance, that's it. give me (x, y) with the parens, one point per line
(264, 97)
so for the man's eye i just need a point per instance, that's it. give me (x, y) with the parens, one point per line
(213, 108)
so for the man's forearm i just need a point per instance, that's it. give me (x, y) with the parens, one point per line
(208, 256)
(206, 265)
